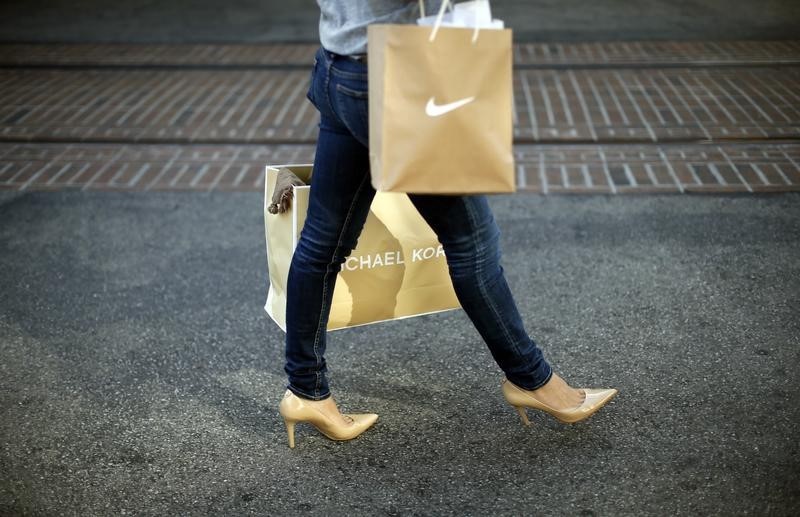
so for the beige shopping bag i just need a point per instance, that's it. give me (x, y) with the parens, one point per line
(440, 110)
(397, 270)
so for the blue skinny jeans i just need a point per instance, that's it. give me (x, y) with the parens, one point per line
(339, 202)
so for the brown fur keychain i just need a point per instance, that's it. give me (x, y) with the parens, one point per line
(282, 195)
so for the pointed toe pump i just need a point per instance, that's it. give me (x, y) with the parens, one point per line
(325, 416)
(523, 399)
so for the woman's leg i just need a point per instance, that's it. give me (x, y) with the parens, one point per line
(470, 237)
(339, 202)
(467, 230)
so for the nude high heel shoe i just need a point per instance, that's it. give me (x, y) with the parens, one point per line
(522, 399)
(324, 415)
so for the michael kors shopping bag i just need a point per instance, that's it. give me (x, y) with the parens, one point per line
(397, 270)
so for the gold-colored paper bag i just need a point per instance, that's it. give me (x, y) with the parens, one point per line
(440, 112)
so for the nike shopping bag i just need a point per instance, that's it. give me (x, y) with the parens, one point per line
(397, 270)
(440, 109)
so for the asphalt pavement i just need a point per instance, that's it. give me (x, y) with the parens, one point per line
(140, 375)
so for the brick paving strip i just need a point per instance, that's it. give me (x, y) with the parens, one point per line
(540, 168)
(610, 117)
(268, 106)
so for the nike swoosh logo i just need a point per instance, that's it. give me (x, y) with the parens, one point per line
(435, 110)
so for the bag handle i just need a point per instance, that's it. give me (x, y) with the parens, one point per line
(422, 8)
(440, 19)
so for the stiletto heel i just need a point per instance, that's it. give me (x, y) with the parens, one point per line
(523, 415)
(290, 431)
(521, 399)
(324, 415)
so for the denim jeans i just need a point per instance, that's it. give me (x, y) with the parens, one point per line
(339, 202)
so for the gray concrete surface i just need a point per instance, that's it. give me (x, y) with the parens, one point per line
(273, 20)
(138, 373)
